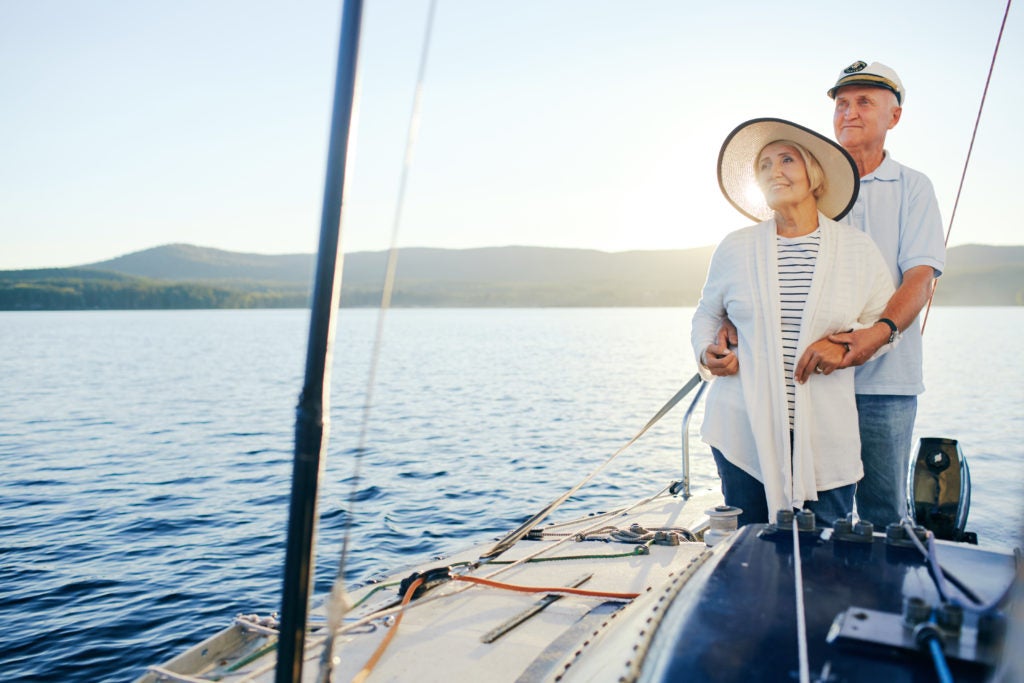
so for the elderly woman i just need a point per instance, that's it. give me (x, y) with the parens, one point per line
(783, 429)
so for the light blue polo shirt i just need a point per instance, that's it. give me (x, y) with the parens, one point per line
(916, 240)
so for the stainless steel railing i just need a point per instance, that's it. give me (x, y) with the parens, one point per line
(686, 438)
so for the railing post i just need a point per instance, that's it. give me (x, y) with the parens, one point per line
(686, 438)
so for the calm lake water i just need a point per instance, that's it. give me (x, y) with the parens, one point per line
(147, 455)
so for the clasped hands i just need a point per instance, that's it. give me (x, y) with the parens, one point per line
(825, 356)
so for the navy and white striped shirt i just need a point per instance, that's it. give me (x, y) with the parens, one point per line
(796, 259)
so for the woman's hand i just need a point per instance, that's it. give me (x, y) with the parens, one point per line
(719, 358)
(821, 357)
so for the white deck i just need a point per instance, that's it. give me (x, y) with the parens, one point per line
(440, 635)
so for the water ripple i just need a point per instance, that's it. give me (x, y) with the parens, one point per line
(148, 454)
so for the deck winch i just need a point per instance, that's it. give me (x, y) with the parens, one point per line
(723, 520)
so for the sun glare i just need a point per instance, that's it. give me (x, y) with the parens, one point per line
(754, 195)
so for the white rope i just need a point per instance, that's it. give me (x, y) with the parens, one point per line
(256, 624)
(801, 620)
(168, 675)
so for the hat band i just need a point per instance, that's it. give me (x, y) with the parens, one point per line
(869, 79)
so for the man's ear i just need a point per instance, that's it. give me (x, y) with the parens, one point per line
(896, 113)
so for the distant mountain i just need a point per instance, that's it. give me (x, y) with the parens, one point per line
(188, 263)
(978, 274)
(968, 257)
(489, 276)
(187, 276)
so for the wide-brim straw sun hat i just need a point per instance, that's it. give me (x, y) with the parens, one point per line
(737, 161)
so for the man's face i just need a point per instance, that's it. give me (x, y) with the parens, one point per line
(863, 115)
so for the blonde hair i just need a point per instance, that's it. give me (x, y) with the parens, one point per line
(815, 174)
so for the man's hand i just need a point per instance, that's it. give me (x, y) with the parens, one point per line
(904, 305)
(861, 345)
(719, 358)
(730, 333)
(822, 357)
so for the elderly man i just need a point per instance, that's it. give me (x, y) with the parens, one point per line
(898, 209)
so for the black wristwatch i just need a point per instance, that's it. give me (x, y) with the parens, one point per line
(893, 330)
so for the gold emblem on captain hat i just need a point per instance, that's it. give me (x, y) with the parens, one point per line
(855, 67)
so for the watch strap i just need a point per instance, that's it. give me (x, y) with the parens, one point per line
(893, 330)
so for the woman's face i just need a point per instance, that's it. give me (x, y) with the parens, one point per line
(782, 176)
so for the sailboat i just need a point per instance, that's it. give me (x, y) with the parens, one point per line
(661, 588)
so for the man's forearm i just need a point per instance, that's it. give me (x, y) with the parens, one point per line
(903, 306)
(907, 301)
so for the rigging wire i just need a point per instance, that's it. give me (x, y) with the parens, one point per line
(513, 537)
(337, 601)
(970, 148)
(389, 276)
(940, 574)
(801, 620)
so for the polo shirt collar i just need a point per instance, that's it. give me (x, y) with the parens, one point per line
(887, 170)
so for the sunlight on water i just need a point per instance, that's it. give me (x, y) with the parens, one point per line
(148, 454)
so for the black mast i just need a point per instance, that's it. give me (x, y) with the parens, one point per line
(312, 413)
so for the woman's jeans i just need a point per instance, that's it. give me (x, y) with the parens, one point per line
(747, 493)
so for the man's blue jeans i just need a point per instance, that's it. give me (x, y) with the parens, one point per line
(747, 493)
(886, 432)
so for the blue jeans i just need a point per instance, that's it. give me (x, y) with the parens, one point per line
(742, 491)
(886, 432)
(747, 493)
(832, 504)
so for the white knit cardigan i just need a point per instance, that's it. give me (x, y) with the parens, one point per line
(746, 415)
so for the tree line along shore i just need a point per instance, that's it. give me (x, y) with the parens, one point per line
(190, 277)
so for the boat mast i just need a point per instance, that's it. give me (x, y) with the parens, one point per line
(312, 412)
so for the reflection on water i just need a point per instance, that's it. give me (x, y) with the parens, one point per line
(148, 454)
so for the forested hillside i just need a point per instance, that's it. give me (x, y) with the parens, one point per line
(186, 276)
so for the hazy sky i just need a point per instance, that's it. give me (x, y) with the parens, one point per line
(130, 124)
